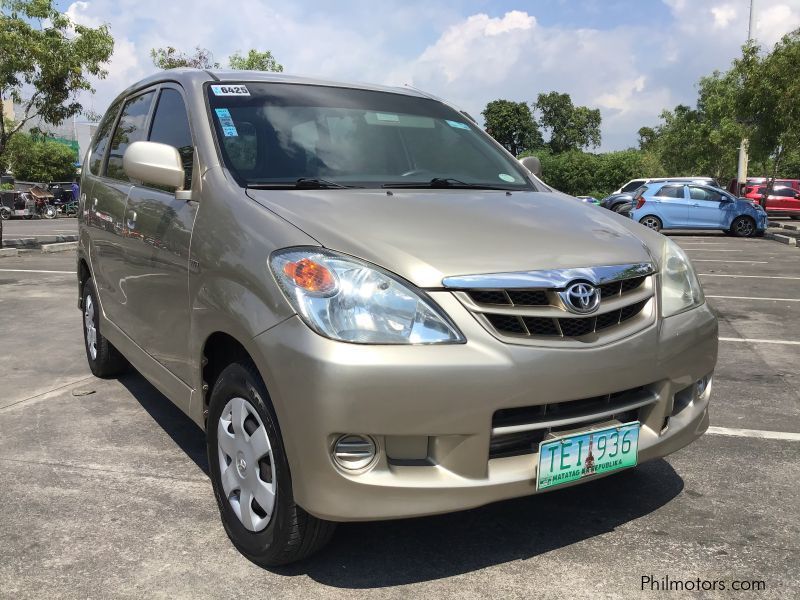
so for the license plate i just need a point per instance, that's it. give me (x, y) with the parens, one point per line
(579, 455)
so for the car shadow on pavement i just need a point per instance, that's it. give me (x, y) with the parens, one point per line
(400, 552)
(183, 431)
(392, 553)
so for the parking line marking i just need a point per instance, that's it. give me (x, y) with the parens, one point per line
(722, 260)
(756, 298)
(35, 271)
(713, 249)
(755, 433)
(747, 276)
(761, 341)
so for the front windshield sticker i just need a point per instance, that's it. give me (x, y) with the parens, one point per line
(507, 177)
(225, 121)
(387, 117)
(230, 90)
(457, 124)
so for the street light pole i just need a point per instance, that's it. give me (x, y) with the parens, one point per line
(741, 173)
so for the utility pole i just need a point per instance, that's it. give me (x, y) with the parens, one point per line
(741, 173)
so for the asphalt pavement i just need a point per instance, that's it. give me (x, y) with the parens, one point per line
(105, 490)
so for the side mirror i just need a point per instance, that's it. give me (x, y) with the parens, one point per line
(532, 164)
(158, 164)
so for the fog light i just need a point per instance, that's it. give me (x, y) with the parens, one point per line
(702, 384)
(354, 452)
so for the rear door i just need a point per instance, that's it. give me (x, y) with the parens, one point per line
(707, 208)
(106, 206)
(158, 231)
(672, 207)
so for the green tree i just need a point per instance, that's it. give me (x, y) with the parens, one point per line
(768, 100)
(32, 158)
(647, 138)
(172, 58)
(48, 58)
(255, 61)
(570, 127)
(512, 125)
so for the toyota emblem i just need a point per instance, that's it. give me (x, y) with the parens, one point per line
(581, 298)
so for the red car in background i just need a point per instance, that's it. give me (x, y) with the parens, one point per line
(753, 182)
(783, 201)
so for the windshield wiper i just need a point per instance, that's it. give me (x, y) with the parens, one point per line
(444, 182)
(301, 183)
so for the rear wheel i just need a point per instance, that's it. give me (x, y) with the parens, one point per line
(5, 213)
(104, 359)
(250, 474)
(619, 207)
(743, 227)
(652, 222)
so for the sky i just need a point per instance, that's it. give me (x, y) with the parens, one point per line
(629, 58)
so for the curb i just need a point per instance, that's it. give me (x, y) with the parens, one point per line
(37, 242)
(60, 247)
(783, 239)
(8, 252)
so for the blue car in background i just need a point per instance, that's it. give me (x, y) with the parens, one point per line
(671, 205)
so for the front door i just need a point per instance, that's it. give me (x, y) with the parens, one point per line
(707, 208)
(158, 233)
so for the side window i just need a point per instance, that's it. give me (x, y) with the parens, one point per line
(785, 192)
(101, 139)
(671, 191)
(171, 126)
(629, 187)
(131, 128)
(698, 193)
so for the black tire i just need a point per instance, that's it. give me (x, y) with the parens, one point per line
(618, 208)
(291, 534)
(5, 213)
(104, 360)
(743, 226)
(651, 222)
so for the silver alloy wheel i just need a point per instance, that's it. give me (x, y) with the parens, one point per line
(651, 222)
(88, 323)
(744, 227)
(246, 466)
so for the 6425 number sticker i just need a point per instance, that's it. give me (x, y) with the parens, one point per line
(230, 90)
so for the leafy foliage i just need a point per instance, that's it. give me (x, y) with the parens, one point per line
(255, 61)
(512, 125)
(34, 159)
(172, 58)
(584, 173)
(570, 127)
(48, 58)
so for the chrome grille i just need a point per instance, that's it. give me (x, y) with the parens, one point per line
(537, 314)
(519, 430)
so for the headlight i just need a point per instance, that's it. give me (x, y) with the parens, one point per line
(680, 288)
(349, 300)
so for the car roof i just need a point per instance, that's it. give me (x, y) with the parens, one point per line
(188, 77)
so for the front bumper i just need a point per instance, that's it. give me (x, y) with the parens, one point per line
(439, 400)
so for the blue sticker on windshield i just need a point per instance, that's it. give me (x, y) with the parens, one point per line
(457, 124)
(225, 121)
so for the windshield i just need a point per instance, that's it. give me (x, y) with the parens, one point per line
(279, 133)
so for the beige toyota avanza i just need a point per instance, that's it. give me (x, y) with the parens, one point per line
(371, 308)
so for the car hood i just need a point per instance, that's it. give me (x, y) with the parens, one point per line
(426, 235)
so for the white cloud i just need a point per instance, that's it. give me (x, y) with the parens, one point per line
(631, 72)
(723, 15)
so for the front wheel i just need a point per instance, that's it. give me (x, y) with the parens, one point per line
(743, 227)
(652, 222)
(250, 474)
(50, 212)
(5, 213)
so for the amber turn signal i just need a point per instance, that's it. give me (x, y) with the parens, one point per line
(310, 276)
